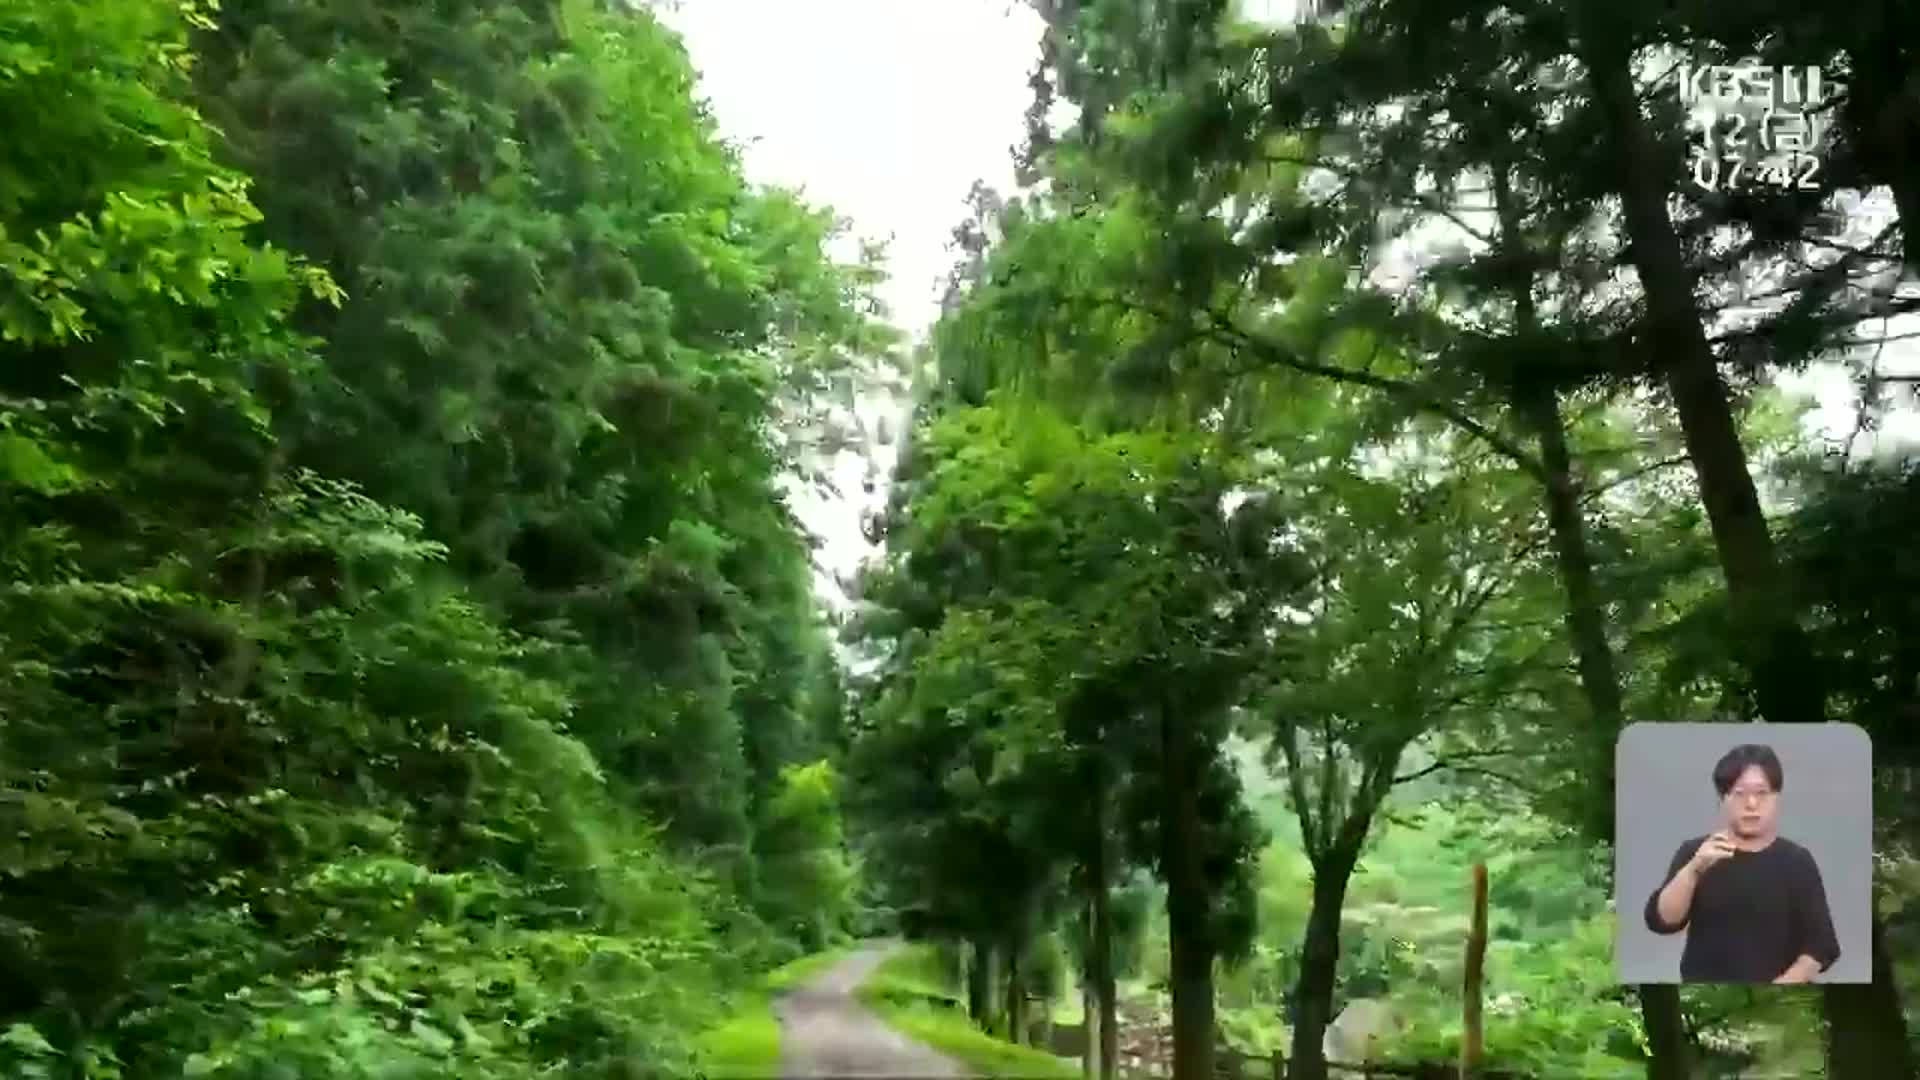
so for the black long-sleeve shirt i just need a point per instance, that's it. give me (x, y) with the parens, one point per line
(1753, 914)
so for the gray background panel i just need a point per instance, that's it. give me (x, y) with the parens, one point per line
(1664, 796)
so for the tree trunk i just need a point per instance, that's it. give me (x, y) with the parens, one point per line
(1099, 961)
(1586, 621)
(1583, 614)
(1188, 932)
(1882, 117)
(1867, 1032)
(1106, 994)
(1471, 1034)
(980, 983)
(1905, 186)
(1090, 1055)
(1669, 1054)
(1319, 964)
(1016, 991)
(1873, 1042)
(1538, 407)
(953, 963)
(1776, 653)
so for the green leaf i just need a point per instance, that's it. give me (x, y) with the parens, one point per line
(25, 1039)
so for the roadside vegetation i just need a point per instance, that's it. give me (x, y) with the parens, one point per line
(916, 992)
(1348, 425)
(747, 1045)
(412, 664)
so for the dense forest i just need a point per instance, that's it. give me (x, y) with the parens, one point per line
(408, 665)
(411, 664)
(1349, 426)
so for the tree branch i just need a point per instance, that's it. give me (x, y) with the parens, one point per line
(1451, 761)
(1356, 175)
(1276, 355)
(1628, 477)
(1526, 786)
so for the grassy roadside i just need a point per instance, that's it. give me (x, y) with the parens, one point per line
(913, 995)
(747, 1046)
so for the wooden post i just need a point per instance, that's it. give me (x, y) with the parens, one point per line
(1470, 1031)
(1279, 1065)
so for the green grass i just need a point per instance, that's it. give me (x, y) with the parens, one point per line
(747, 1045)
(912, 975)
(787, 976)
(911, 992)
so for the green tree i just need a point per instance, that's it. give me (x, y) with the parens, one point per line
(803, 855)
(289, 771)
(1035, 549)
(574, 327)
(1176, 86)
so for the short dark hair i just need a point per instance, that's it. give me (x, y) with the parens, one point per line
(1743, 757)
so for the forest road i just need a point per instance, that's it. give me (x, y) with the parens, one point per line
(825, 1032)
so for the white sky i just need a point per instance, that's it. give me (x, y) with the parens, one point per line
(888, 111)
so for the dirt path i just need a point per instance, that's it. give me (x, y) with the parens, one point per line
(825, 1032)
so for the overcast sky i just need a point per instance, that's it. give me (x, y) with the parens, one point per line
(886, 110)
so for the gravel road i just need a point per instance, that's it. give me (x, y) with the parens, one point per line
(826, 1033)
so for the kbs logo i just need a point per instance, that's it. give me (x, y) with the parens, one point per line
(1754, 124)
